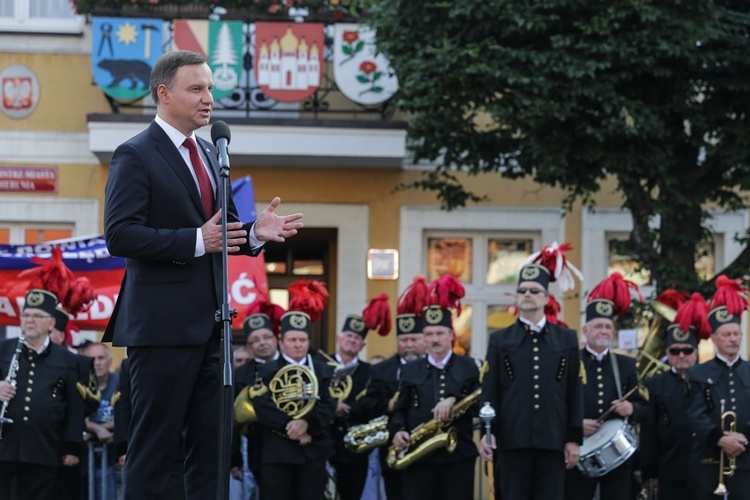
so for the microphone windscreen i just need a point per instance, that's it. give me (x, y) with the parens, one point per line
(220, 130)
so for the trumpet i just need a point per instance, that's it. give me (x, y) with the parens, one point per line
(728, 418)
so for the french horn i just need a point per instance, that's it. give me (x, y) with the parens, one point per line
(294, 390)
(341, 382)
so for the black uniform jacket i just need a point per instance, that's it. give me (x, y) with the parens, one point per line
(422, 387)
(665, 431)
(533, 384)
(381, 387)
(279, 449)
(711, 382)
(245, 376)
(47, 411)
(356, 416)
(600, 390)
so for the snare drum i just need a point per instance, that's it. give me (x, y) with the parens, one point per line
(608, 448)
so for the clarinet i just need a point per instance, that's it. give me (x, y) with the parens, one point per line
(11, 379)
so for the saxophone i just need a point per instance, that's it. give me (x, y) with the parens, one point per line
(365, 437)
(11, 379)
(431, 436)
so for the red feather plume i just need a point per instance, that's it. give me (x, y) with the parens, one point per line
(308, 296)
(51, 275)
(80, 296)
(551, 310)
(730, 293)
(377, 315)
(672, 298)
(414, 298)
(694, 313)
(264, 306)
(618, 290)
(447, 292)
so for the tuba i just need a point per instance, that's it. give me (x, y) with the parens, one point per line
(365, 437)
(655, 342)
(431, 436)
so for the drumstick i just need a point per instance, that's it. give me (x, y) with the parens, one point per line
(609, 412)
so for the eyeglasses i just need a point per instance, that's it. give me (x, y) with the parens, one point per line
(35, 317)
(532, 291)
(687, 351)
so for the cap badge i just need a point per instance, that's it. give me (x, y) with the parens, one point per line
(530, 273)
(406, 325)
(357, 324)
(723, 316)
(433, 316)
(604, 308)
(298, 321)
(256, 322)
(35, 299)
(679, 335)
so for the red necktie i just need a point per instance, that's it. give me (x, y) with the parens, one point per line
(206, 190)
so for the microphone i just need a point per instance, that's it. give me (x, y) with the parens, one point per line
(221, 136)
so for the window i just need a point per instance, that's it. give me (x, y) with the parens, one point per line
(487, 264)
(40, 16)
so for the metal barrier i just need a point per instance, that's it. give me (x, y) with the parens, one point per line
(97, 448)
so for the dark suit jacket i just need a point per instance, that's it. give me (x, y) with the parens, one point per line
(665, 431)
(711, 382)
(152, 210)
(533, 384)
(279, 449)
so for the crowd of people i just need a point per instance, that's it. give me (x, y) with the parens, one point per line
(561, 419)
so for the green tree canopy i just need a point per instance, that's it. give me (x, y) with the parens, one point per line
(568, 92)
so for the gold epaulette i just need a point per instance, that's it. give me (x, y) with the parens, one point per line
(582, 373)
(361, 394)
(115, 398)
(643, 391)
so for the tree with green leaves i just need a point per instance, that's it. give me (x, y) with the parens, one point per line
(654, 94)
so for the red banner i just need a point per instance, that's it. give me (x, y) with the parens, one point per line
(89, 257)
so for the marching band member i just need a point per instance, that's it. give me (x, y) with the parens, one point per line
(724, 379)
(351, 468)
(429, 389)
(44, 404)
(262, 342)
(665, 431)
(381, 389)
(295, 446)
(534, 386)
(608, 376)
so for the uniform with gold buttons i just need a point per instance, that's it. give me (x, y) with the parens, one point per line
(725, 378)
(422, 386)
(47, 410)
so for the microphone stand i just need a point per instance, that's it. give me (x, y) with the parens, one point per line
(225, 316)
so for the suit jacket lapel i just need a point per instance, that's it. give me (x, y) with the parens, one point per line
(166, 148)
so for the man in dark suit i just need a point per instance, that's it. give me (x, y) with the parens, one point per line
(295, 445)
(46, 410)
(608, 377)
(722, 381)
(532, 383)
(262, 343)
(380, 395)
(666, 437)
(161, 215)
(429, 389)
(351, 468)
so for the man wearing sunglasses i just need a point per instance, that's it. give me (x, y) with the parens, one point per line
(533, 384)
(666, 437)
